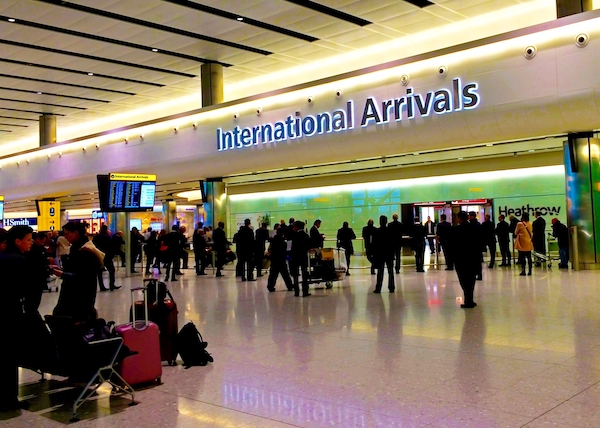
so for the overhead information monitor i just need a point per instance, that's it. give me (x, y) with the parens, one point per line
(128, 192)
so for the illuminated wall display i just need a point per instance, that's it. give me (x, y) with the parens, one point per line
(293, 127)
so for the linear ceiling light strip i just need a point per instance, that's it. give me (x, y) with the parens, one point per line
(39, 113)
(26, 91)
(242, 19)
(108, 40)
(155, 26)
(93, 58)
(18, 118)
(41, 104)
(72, 85)
(331, 12)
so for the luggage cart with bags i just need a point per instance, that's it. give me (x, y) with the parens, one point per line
(326, 265)
(551, 255)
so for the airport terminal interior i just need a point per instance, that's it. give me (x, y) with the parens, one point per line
(162, 113)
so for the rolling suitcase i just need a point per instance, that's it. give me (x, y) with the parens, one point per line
(141, 337)
(162, 311)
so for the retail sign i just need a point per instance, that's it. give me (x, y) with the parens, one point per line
(410, 106)
(10, 222)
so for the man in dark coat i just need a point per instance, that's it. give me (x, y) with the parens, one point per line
(136, 240)
(262, 236)
(345, 235)
(244, 245)
(278, 262)
(444, 237)
(13, 266)
(317, 239)
(396, 230)
(199, 249)
(220, 244)
(503, 233)
(117, 241)
(300, 247)
(417, 243)
(383, 254)
(466, 245)
(472, 216)
(171, 256)
(367, 235)
(489, 238)
(539, 233)
(561, 233)
(102, 241)
(38, 272)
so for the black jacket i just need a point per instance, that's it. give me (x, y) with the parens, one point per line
(300, 246)
(488, 232)
(503, 231)
(244, 242)
(396, 230)
(466, 245)
(316, 238)
(344, 239)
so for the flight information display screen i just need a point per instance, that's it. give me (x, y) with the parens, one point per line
(127, 192)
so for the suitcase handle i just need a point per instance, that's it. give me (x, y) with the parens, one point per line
(134, 321)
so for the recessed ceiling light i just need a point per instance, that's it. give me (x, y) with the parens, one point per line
(154, 50)
(39, 93)
(11, 19)
(90, 74)
(239, 18)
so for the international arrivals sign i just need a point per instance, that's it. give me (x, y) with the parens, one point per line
(408, 107)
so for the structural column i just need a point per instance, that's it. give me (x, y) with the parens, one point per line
(582, 174)
(571, 7)
(216, 206)
(211, 77)
(47, 129)
(169, 214)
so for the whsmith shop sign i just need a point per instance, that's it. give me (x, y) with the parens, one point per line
(410, 106)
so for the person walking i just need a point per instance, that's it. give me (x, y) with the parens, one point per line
(489, 238)
(539, 234)
(418, 234)
(503, 233)
(430, 229)
(523, 242)
(260, 242)
(383, 253)
(151, 248)
(367, 235)
(467, 257)
(103, 243)
(345, 235)
(172, 242)
(396, 230)
(444, 237)
(277, 254)
(300, 246)
(199, 243)
(220, 245)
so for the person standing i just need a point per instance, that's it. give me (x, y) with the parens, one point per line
(396, 230)
(102, 242)
(383, 253)
(367, 235)
(539, 234)
(523, 242)
(183, 247)
(300, 246)
(135, 246)
(418, 234)
(278, 262)
(220, 245)
(430, 229)
(79, 276)
(561, 233)
(503, 233)
(151, 248)
(466, 247)
(172, 242)
(444, 237)
(245, 251)
(262, 236)
(199, 249)
(62, 248)
(479, 242)
(317, 239)
(14, 267)
(345, 235)
(489, 238)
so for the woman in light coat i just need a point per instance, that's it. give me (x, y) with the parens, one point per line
(523, 244)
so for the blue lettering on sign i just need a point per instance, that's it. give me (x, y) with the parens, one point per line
(442, 101)
(10, 222)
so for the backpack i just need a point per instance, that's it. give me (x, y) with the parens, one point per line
(191, 347)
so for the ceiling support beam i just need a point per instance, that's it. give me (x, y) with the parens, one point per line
(47, 129)
(572, 7)
(211, 78)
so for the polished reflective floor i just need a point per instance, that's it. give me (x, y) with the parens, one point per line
(527, 355)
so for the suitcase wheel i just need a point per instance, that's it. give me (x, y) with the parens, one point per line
(329, 285)
(158, 381)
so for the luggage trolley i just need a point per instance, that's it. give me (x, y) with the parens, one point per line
(551, 253)
(326, 265)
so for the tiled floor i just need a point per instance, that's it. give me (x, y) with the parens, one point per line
(528, 355)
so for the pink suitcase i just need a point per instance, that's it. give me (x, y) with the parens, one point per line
(142, 337)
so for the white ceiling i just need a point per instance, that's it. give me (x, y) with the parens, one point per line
(31, 61)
